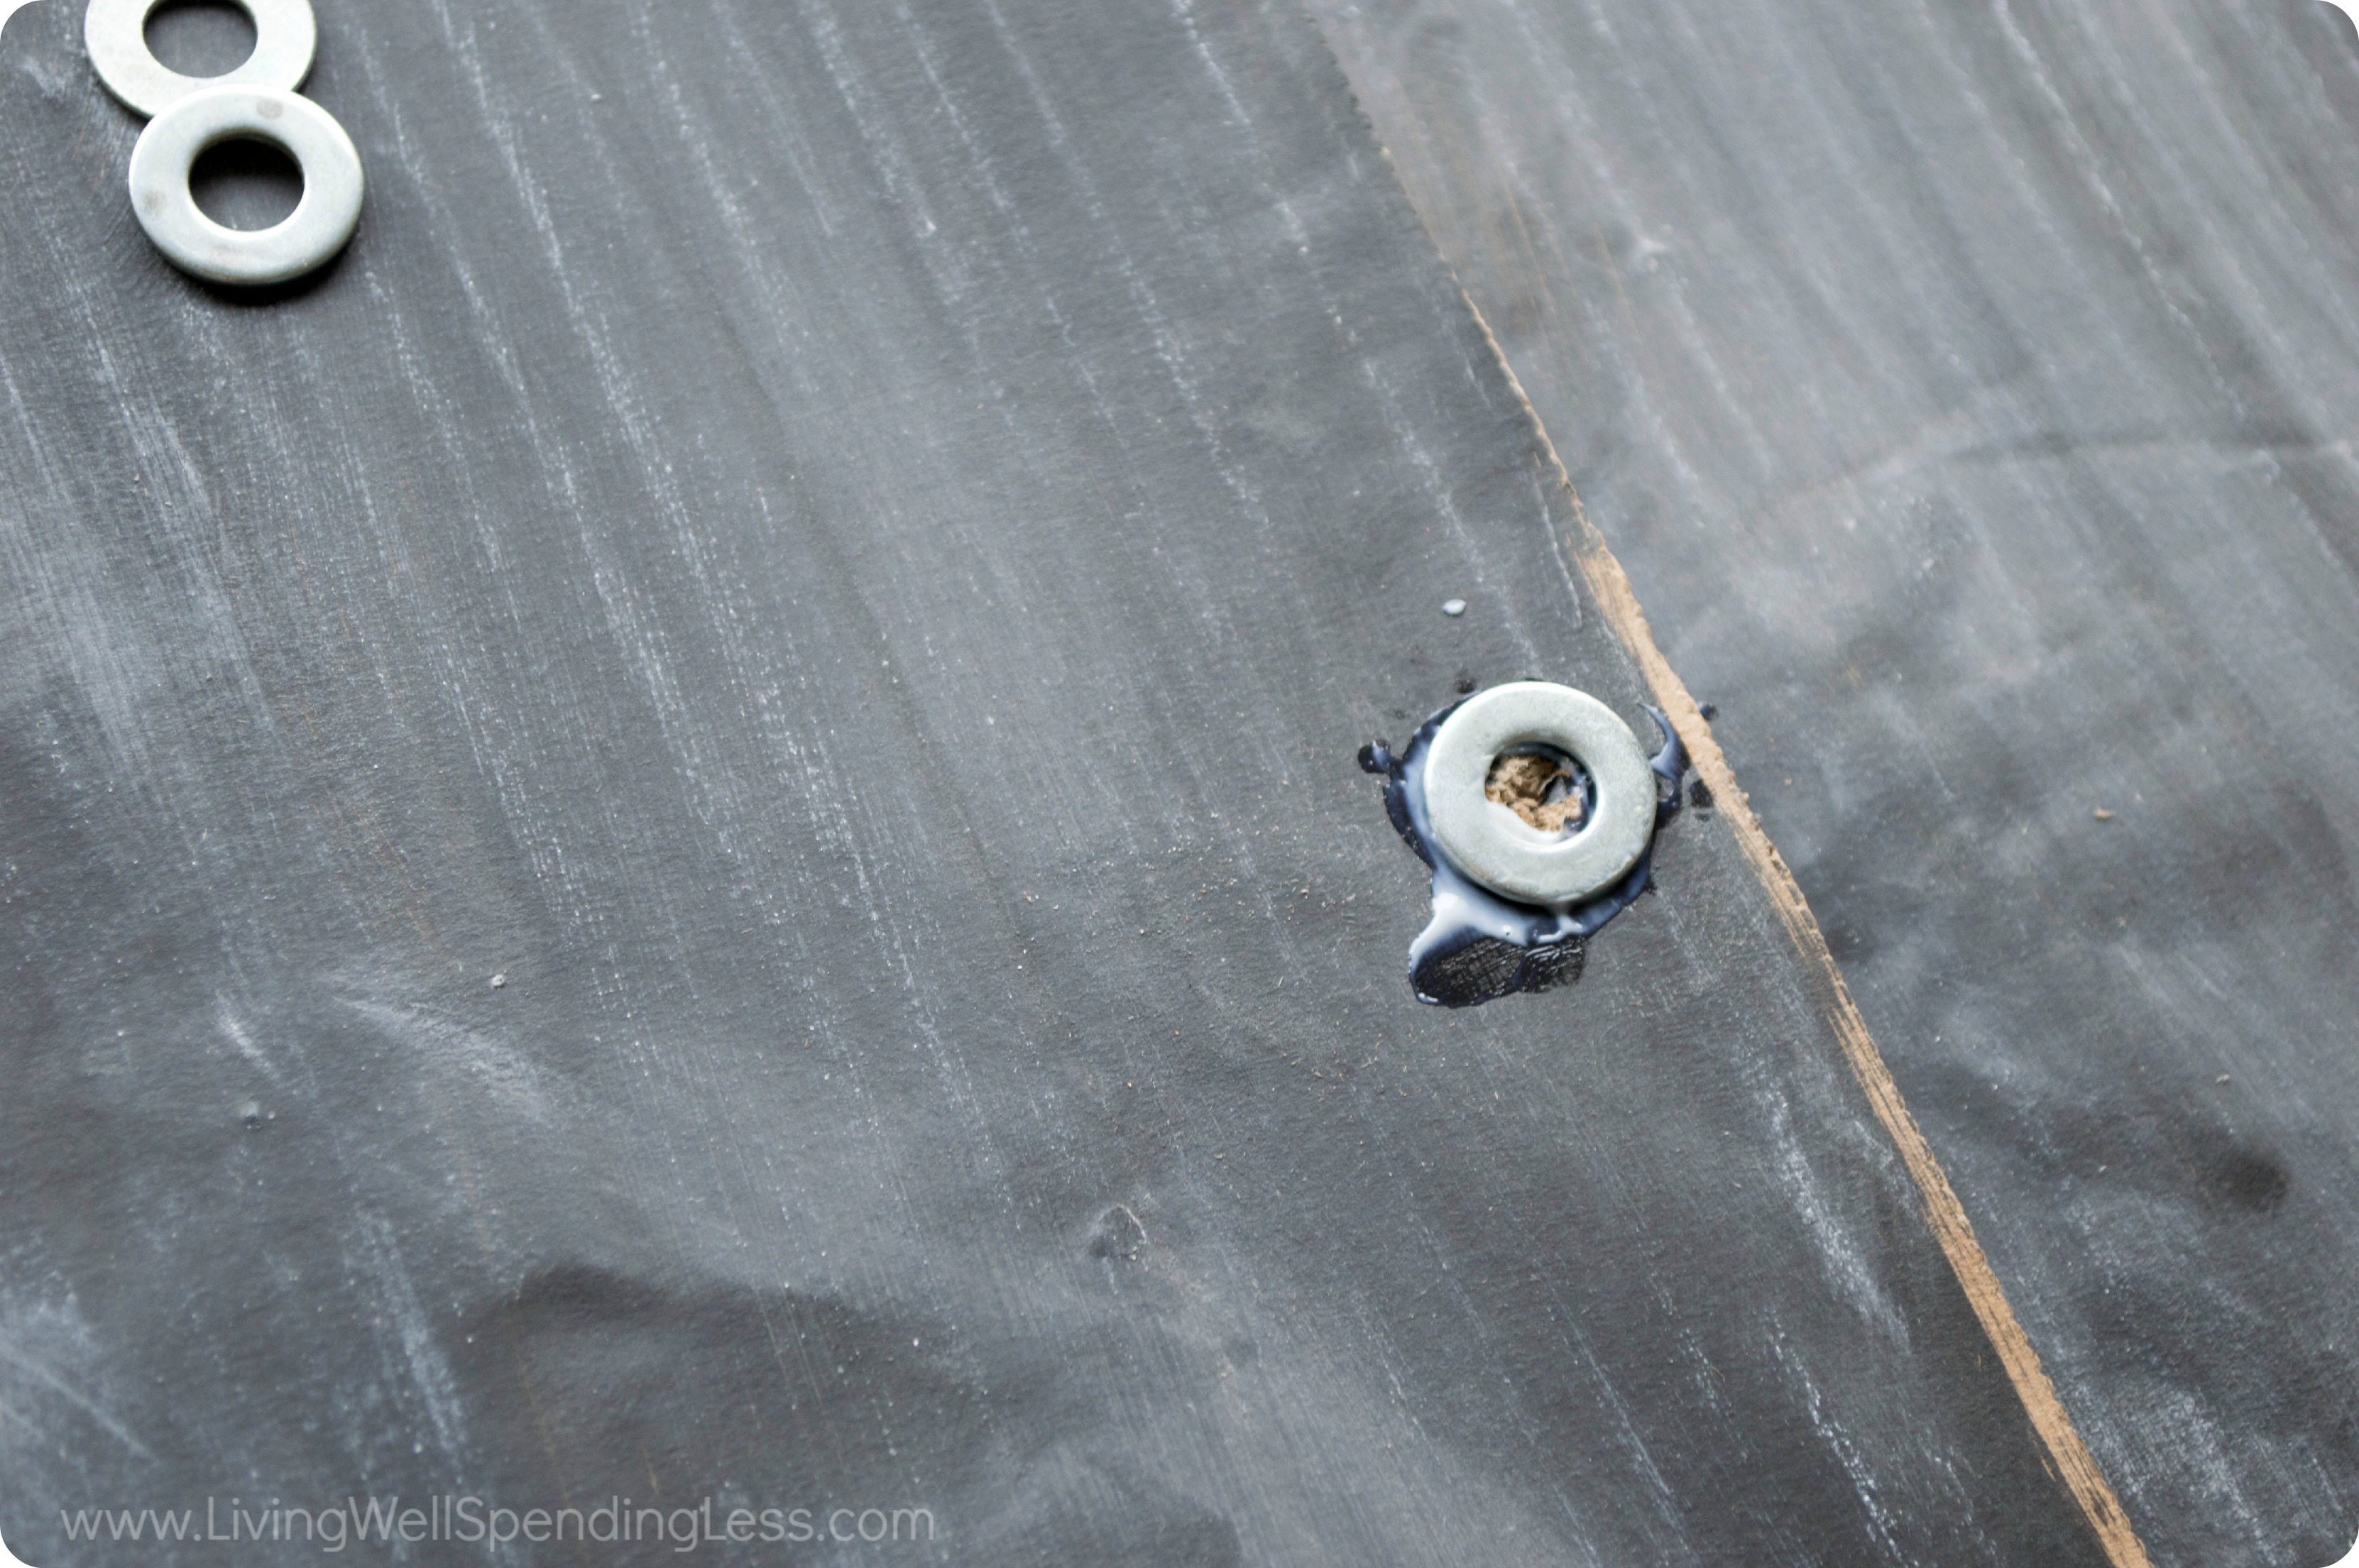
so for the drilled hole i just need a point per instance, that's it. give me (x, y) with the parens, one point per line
(246, 184)
(200, 38)
(1544, 787)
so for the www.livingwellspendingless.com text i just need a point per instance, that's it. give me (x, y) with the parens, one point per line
(383, 1522)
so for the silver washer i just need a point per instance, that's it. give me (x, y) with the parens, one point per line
(323, 221)
(115, 33)
(1489, 843)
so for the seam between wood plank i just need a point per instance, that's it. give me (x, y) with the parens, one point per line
(1609, 586)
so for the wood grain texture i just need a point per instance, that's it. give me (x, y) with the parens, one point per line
(1968, 393)
(1609, 586)
(842, 552)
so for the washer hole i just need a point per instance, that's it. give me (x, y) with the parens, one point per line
(200, 38)
(1543, 786)
(245, 183)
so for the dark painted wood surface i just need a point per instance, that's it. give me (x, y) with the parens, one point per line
(1970, 391)
(692, 832)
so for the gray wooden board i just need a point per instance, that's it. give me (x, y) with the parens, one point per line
(843, 551)
(1970, 392)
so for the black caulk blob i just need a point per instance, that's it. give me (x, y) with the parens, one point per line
(1480, 946)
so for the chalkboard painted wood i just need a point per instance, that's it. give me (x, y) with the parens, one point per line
(690, 832)
(1969, 391)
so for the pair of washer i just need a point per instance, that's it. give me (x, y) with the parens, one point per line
(257, 101)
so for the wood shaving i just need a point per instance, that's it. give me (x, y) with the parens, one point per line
(1522, 784)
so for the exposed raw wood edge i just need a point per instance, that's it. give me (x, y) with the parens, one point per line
(1609, 588)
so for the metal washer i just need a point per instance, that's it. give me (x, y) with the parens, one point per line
(323, 221)
(115, 33)
(1480, 837)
